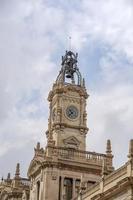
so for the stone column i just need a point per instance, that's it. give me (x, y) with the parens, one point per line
(74, 181)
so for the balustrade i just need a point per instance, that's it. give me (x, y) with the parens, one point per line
(73, 154)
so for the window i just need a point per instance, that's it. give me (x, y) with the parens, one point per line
(90, 183)
(68, 188)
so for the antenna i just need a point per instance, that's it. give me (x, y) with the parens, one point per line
(69, 47)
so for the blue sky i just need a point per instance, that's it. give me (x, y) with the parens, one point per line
(33, 37)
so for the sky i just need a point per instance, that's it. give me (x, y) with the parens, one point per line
(33, 37)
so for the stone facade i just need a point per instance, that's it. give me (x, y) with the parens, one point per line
(16, 188)
(64, 170)
(116, 186)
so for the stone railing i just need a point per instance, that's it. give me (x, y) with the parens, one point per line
(73, 154)
(25, 181)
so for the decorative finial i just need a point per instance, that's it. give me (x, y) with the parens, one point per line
(130, 155)
(109, 156)
(8, 176)
(38, 150)
(17, 173)
(108, 147)
(83, 82)
(38, 146)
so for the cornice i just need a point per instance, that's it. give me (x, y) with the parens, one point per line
(67, 125)
(60, 89)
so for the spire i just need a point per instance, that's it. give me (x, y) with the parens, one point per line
(130, 155)
(17, 173)
(109, 157)
(8, 176)
(69, 70)
(108, 147)
(17, 179)
(38, 150)
(2, 179)
(38, 146)
(8, 180)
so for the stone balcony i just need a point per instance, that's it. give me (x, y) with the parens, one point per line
(76, 155)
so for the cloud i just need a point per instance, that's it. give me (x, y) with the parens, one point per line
(110, 117)
(33, 36)
(108, 21)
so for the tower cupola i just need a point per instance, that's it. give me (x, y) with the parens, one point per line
(70, 70)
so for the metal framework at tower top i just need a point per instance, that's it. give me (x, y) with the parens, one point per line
(69, 69)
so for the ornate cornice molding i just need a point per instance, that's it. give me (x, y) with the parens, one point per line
(60, 89)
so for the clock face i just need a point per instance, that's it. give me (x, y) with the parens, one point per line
(72, 112)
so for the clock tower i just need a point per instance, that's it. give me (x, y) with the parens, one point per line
(64, 169)
(67, 119)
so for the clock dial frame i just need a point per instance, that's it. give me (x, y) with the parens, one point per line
(72, 112)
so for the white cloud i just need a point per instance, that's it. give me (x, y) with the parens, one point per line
(109, 21)
(110, 117)
(32, 37)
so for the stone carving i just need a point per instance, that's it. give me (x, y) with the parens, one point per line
(72, 142)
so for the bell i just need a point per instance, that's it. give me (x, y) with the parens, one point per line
(68, 75)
